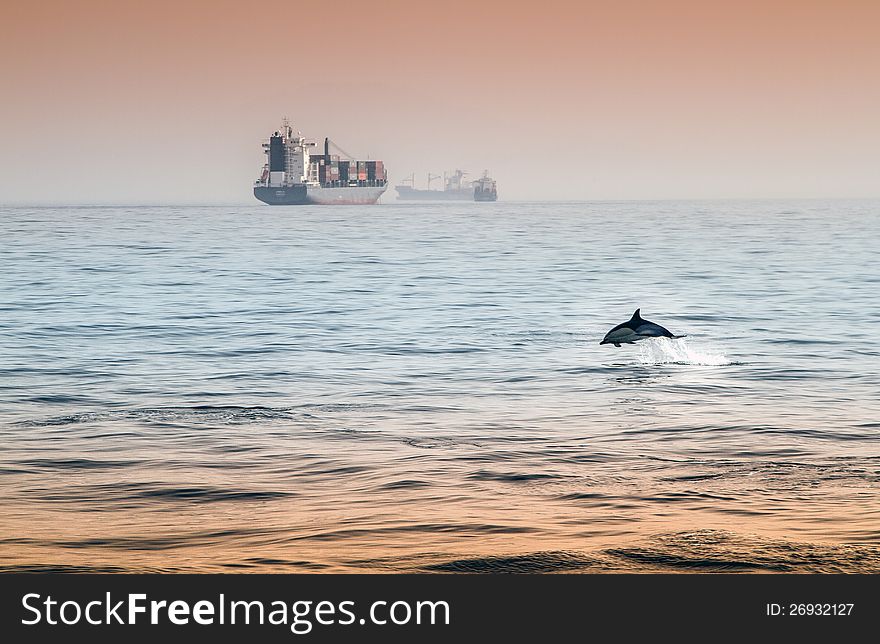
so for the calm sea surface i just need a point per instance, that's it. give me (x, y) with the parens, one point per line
(421, 388)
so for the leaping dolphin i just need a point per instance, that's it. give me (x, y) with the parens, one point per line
(634, 330)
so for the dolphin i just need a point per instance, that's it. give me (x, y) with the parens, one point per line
(634, 330)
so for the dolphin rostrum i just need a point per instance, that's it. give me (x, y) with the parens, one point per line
(634, 330)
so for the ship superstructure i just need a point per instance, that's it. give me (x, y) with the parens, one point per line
(295, 174)
(485, 188)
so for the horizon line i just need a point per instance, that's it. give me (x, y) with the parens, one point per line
(226, 204)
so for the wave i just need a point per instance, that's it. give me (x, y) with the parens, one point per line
(117, 495)
(661, 560)
(54, 569)
(723, 551)
(199, 414)
(534, 562)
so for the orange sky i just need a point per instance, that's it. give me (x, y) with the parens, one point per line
(162, 102)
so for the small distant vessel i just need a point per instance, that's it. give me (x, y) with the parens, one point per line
(485, 188)
(454, 189)
(294, 175)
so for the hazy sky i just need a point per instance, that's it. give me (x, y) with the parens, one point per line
(161, 102)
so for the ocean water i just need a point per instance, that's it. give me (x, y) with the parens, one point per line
(421, 388)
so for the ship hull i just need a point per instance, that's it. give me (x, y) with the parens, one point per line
(485, 196)
(304, 195)
(405, 193)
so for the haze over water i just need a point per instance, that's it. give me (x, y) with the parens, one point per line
(420, 388)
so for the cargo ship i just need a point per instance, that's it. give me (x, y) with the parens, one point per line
(454, 189)
(295, 175)
(485, 188)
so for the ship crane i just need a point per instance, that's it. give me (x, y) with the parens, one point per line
(340, 150)
(454, 181)
(431, 177)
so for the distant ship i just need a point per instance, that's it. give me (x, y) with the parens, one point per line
(454, 189)
(294, 175)
(485, 188)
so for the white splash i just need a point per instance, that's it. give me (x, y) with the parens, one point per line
(668, 351)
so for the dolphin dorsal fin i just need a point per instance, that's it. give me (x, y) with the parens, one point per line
(636, 315)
